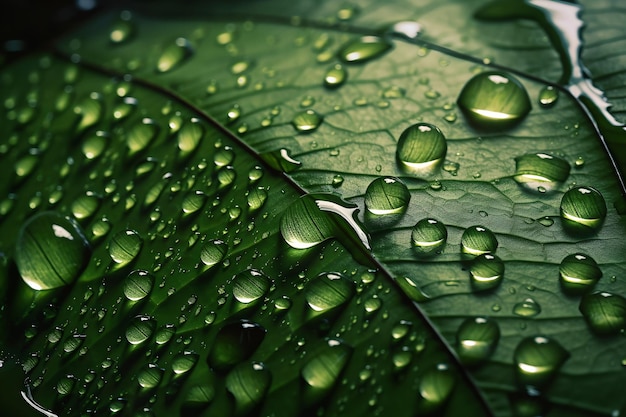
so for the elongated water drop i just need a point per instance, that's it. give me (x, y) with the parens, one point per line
(477, 339)
(486, 272)
(428, 237)
(322, 372)
(138, 284)
(90, 111)
(234, 343)
(421, 148)
(537, 360)
(335, 76)
(364, 49)
(540, 170)
(328, 290)
(150, 376)
(95, 144)
(85, 206)
(435, 388)
(604, 312)
(250, 285)
(256, 198)
(140, 329)
(189, 135)
(579, 273)
(307, 121)
(141, 134)
(248, 384)
(583, 209)
(174, 55)
(494, 100)
(213, 252)
(51, 251)
(125, 246)
(527, 308)
(477, 240)
(387, 195)
(184, 362)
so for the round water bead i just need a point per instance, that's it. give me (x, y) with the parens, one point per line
(494, 99)
(150, 376)
(140, 329)
(328, 290)
(335, 76)
(307, 121)
(364, 49)
(548, 96)
(477, 339)
(477, 240)
(579, 273)
(604, 312)
(51, 251)
(387, 195)
(184, 362)
(138, 284)
(304, 225)
(428, 237)
(540, 170)
(583, 209)
(537, 359)
(421, 148)
(234, 343)
(213, 252)
(486, 272)
(435, 388)
(250, 285)
(125, 246)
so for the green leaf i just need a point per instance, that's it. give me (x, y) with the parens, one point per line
(164, 130)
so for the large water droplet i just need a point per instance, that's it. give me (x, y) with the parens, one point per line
(494, 99)
(477, 338)
(138, 284)
(335, 76)
(321, 373)
(307, 121)
(540, 170)
(51, 251)
(250, 285)
(328, 290)
(579, 273)
(477, 240)
(174, 55)
(364, 49)
(248, 383)
(140, 329)
(537, 360)
(125, 246)
(604, 312)
(189, 135)
(184, 362)
(421, 148)
(234, 343)
(387, 195)
(428, 237)
(95, 144)
(435, 388)
(213, 252)
(486, 272)
(583, 209)
(141, 135)
(150, 376)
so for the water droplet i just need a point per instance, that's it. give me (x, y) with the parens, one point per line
(138, 285)
(25, 165)
(140, 329)
(328, 290)
(233, 114)
(250, 285)
(307, 121)
(213, 252)
(372, 305)
(527, 308)
(189, 135)
(95, 144)
(51, 251)
(494, 99)
(85, 206)
(537, 360)
(164, 334)
(224, 156)
(477, 338)
(248, 383)
(548, 96)
(123, 29)
(150, 376)
(477, 240)
(256, 198)
(335, 76)
(540, 170)
(174, 55)
(184, 362)
(321, 373)
(364, 49)
(604, 312)
(486, 272)
(583, 209)
(421, 147)
(66, 385)
(125, 246)
(435, 388)
(429, 237)
(90, 110)
(141, 135)
(579, 163)
(579, 273)
(304, 225)
(387, 195)
(234, 343)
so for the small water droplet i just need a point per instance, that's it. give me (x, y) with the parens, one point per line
(477, 339)
(486, 272)
(328, 291)
(307, 121)
(372, 305)
(583, 209)
(537, 360)
(140, 329)
(604, 312)
(125, 246)
(477, 240)
(233, 114)
(429, 237)
(494, 99)
(138, 285)
(335, 76)
(421, 148)
(364, 49)
(122, 30)
(234, 343)
(174, 55)
(250, 285)
(387, 195)
(51, 251)
(527, 308)
(579, 273)
(548, 96)
(540, 170)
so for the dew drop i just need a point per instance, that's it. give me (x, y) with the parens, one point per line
(494, 99)
(435, 388)
(184, 362)
(138, 285)
(537, 360)
(141, 134)
(486, 272)
(66, 385)
(85, 206)
(95, 144)
(90, 111)
(387, 195)
(307, 121)
(189, 135)
(477, 339)
(579, 273)
(234, 343)
(164, 334)
(224, 157)
(540, 170)
(583, 209)
(51, 251)
(527, 308)
(421, 148)
(328, 290)
(256, 198)
(604, 312)
(477, 240)
(248, 384)
(174, 55)
(322, 372)
(233, 114)
(250, 285)
(372, 305)
(150, 376)
(213, 252)
(123, 29)
(548, 96)
(304, 225)
(428, 237)
(193, 202)
(335, 76)
(125, 246)
(140, 329)
(364, 49)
